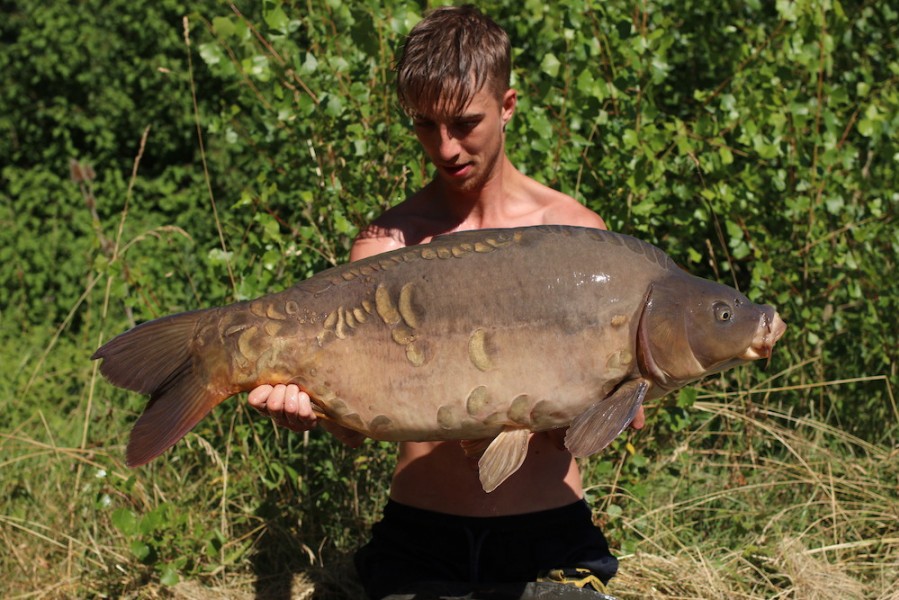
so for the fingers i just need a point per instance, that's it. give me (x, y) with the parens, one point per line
(258, 397)
(287, 405)
(291, 408)
(639, 419)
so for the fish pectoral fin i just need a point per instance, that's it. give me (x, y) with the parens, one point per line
(475, 448)
(596, 427)
(503, 456)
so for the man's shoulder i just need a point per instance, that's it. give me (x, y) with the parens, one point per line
(405, 224)
(376, 238)
(559, 208)
(565, 210)
(572, 213)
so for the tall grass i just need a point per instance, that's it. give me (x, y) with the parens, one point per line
(805, 511)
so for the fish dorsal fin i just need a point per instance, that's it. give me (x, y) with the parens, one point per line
(596, 427)
(503, 456)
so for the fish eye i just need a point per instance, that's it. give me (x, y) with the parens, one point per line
(723, 311)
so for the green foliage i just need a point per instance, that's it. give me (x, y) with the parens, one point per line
(755, 143)
(83, 87)
(313, 96)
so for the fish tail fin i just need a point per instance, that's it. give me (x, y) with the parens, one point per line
(156, 358)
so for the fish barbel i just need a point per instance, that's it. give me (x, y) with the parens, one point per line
(477, 335)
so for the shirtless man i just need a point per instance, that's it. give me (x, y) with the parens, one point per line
(439, 525)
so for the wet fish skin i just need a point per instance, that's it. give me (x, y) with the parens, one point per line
(479, 334)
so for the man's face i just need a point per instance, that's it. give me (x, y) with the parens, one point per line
(467, 147)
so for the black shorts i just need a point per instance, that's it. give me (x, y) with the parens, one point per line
(412, 546)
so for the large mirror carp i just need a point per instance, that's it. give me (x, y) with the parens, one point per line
(478, 335)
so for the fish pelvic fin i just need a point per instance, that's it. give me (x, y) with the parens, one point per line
(155, 358)
(504, 456)
(596, 427)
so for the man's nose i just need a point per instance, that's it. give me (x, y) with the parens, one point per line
(448, 144)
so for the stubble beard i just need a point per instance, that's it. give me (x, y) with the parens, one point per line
(483, 171)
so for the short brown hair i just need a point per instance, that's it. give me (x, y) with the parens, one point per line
(448, 57)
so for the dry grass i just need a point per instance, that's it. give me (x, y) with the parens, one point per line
(726, 574)
(816, 516)
(813, 516)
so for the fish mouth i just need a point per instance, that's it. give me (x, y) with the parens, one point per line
(771, 328)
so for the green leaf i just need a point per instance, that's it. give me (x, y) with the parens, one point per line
(217, 256)
(154, 520)
(276, 18)
(550, 64)
(223, 26)
(342, 224)
(726, 155)
(310, 65)
(271, 230)
(212, 54)
(541, 126)
(125, 521)
(334, 106)
(168, 575)
(867, 127)
(686, 397)
(139, 549)
(631, 138)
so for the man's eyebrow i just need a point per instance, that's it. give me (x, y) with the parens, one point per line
(453, 118)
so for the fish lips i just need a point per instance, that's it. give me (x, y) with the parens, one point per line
(771, 328)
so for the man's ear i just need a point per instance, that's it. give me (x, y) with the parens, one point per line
(510, 101)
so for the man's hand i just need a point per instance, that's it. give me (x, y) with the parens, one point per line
(639, 419)
(287, 405)
(558, 435)
(291, 408)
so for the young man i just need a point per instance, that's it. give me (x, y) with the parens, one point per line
(439, 525)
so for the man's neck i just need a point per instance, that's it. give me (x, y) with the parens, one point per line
(483, 206)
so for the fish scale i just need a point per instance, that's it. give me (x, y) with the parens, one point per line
(486, 334)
